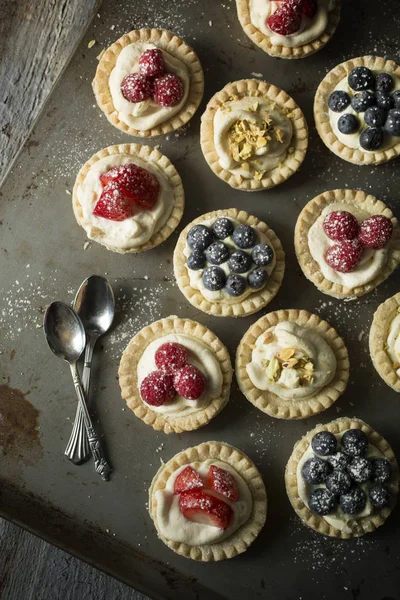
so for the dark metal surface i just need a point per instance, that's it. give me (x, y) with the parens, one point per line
(42, 258)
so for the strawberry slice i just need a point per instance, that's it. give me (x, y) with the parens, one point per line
(222, 482)
(200, 507)
(310, 8)
(188, 479)
(287, 18)
(139, 184)
(114, 204)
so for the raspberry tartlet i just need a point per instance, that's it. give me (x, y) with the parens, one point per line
(357, 110)
(129, 198)
(253, 135)
(289, 28)
(291, 364)
(342, 478)
(209, 502)
(175, 375)
(228, 263)
(384, 341)
(149, 82)
(347, 242)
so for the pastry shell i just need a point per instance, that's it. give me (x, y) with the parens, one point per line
(146, 154)
(361, 525)
(310, 267)
(128, 380)
(378, 335)
(264, 42)
(171, 44)
(285, 103)
(241, 539)
(357, 156)
(257, 300)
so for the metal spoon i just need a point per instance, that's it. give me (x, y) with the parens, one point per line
(66, 337)
(95, 304)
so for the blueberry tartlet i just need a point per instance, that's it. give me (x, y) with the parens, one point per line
(342, 478)
(384, 341)
(228, 263)
(357, 110)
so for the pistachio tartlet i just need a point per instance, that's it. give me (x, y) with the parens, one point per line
(347, 242)
(149, 82)
(228, 263)
(384, 341)
(209, 502)
(253, 135)
(342, 478)
(291, 364)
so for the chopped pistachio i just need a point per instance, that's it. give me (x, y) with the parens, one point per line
(269, 336)
(286, 353)
(258, 175)
(274, 369)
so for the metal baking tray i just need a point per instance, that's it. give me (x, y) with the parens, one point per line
(43, 258)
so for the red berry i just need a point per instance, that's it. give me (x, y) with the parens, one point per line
(170, 357)
(287, 18)
(157, 388)
(114, 204)
(310, 8)
(139, 184)
(222, 482)
(167, 90)
(200, 507)
(136, 87)
(344, 256)
(341, 225)
(376, 231)
(189, 382)
(188, 479)
(151, 63)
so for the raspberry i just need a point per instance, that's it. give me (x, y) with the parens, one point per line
(139, 184)
(310, 8)
(287, 18)
(157, 388)
(170, 357)
(376, 231)
(189, 382)
(167, 90)
(344, 256)
(114, 204)
(151, 63)
(341, 225)
(136, 87)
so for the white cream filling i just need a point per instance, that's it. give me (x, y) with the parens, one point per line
(393, 342)
(267, 157)
(147, 114)
(177, 528)
(199, 355)
(135, 230)
(308, 344)
(195, 277)
(371, 263)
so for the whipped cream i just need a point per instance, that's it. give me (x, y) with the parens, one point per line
(177, 528)
(147, 114)
(134, 231)
(393, 343)
(371, 263)
(201, 356)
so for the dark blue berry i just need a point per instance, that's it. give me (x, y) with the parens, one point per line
(384, 82)
(375, 116)
(381, 470)
(239, 261)
(338, 482)
(384, 100)
(196, 260)
(339, 460)
(379, 496)
(262, 255)
(235, 285)
(392, 125)
(214, 278)
(354, 442)
(315, 470)
(359, 469)
(362, 100)
(321, 502)
(217, 253)
(324, 443)
(244, 236)
(361, 78)
(222, 228)
(353, 501)
(257, 278)
(199, 237)
(338, 101)
(396, 99)
(347, 123)
(371, 139)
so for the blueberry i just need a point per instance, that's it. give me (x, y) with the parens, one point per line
(214, 278)
(353, 501)
(239, 262)
(199, 237)
(375, 116)
(324, 443)
(392, 125)
(222, 228)
(359, 469)
(217, 253)
(257, 278)
(262, 255)
(384, 82)
(354, 442)
(339, 460)
(244, 236)
(381, 470)
(384, 100)
(338, 101)
(315, 470)
(196, 260)
(321, 502)
(371, 139)
(396, 99)
(347, 123)
(235, 285)
(362, 100)
(338, 482)
(379, 496)
(361, 78)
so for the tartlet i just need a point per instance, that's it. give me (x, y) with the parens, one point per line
(384, 340)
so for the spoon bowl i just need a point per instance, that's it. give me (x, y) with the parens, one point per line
(64, 331)
(95, 304)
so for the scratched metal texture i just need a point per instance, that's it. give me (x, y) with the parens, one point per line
(42, 258)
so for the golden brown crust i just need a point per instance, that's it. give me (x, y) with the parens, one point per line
(378, 335)
(252, 303)
(357, 156)
(171, 44)
(269, 402)
(128, 379)
(153, 156)
(242, 537)
(284, 102)
(361, 525)
(310, 214)
(264, 41)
